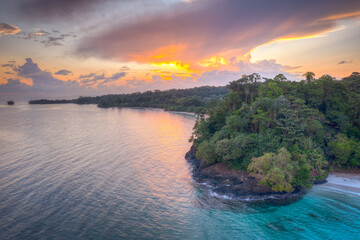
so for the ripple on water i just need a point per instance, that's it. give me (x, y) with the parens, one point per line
(80, 172)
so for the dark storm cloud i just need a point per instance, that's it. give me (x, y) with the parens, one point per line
(201, 29)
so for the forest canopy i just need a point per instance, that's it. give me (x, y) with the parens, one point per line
(283, 132)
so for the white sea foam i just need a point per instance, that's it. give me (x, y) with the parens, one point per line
(226, 197)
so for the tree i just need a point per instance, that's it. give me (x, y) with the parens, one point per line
(280, 77)
(206, 151)
(274, 170)
(309, 76)
(345, 151)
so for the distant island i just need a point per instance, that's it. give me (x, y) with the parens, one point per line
(260, 136)
(185, 100)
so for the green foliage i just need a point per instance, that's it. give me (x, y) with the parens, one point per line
(303, 177)
(274, 170)
(206, 151)
(271, 89)
(314, 120)
(345, 151)
(310, 76)
(223, 150)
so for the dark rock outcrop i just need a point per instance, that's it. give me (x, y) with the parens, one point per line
(233, 183)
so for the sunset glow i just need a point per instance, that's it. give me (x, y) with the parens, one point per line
(141, 47)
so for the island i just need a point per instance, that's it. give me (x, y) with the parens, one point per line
(182, 100)
(260, 138)
(275, 138)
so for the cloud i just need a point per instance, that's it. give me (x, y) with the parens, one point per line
(266, 68)
(115, 77)
(90, 75)
(29, 67)
(125, 68)
(158, 83)
(63, 72)
(7, 29)
(44, 84)
(344, 62)
(93, 78)
(14, 85)
(202, 29)
(41, 80)
(9, 65)
(54, 9)
(90, 12)
(48, 39)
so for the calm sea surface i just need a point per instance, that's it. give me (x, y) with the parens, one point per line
(81, 172)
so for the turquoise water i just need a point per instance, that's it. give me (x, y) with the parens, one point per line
(80, 172)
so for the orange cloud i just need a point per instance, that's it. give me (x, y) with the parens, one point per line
(207, 34)
(171, 52)
(174, 65)
(8, 29)
(342, 16)
(214, 61)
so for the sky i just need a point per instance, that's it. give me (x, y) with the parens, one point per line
(72, 48)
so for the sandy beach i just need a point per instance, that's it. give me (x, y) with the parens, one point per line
(345, 181)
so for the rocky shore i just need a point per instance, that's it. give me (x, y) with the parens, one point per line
(233, 184)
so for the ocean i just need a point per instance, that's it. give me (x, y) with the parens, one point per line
(81, 172)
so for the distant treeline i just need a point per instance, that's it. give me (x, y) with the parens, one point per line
(187, 100)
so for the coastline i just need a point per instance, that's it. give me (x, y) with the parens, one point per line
(228, 184)
(223, 182)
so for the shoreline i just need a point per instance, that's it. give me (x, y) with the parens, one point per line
(223, 182)
(344, 181)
